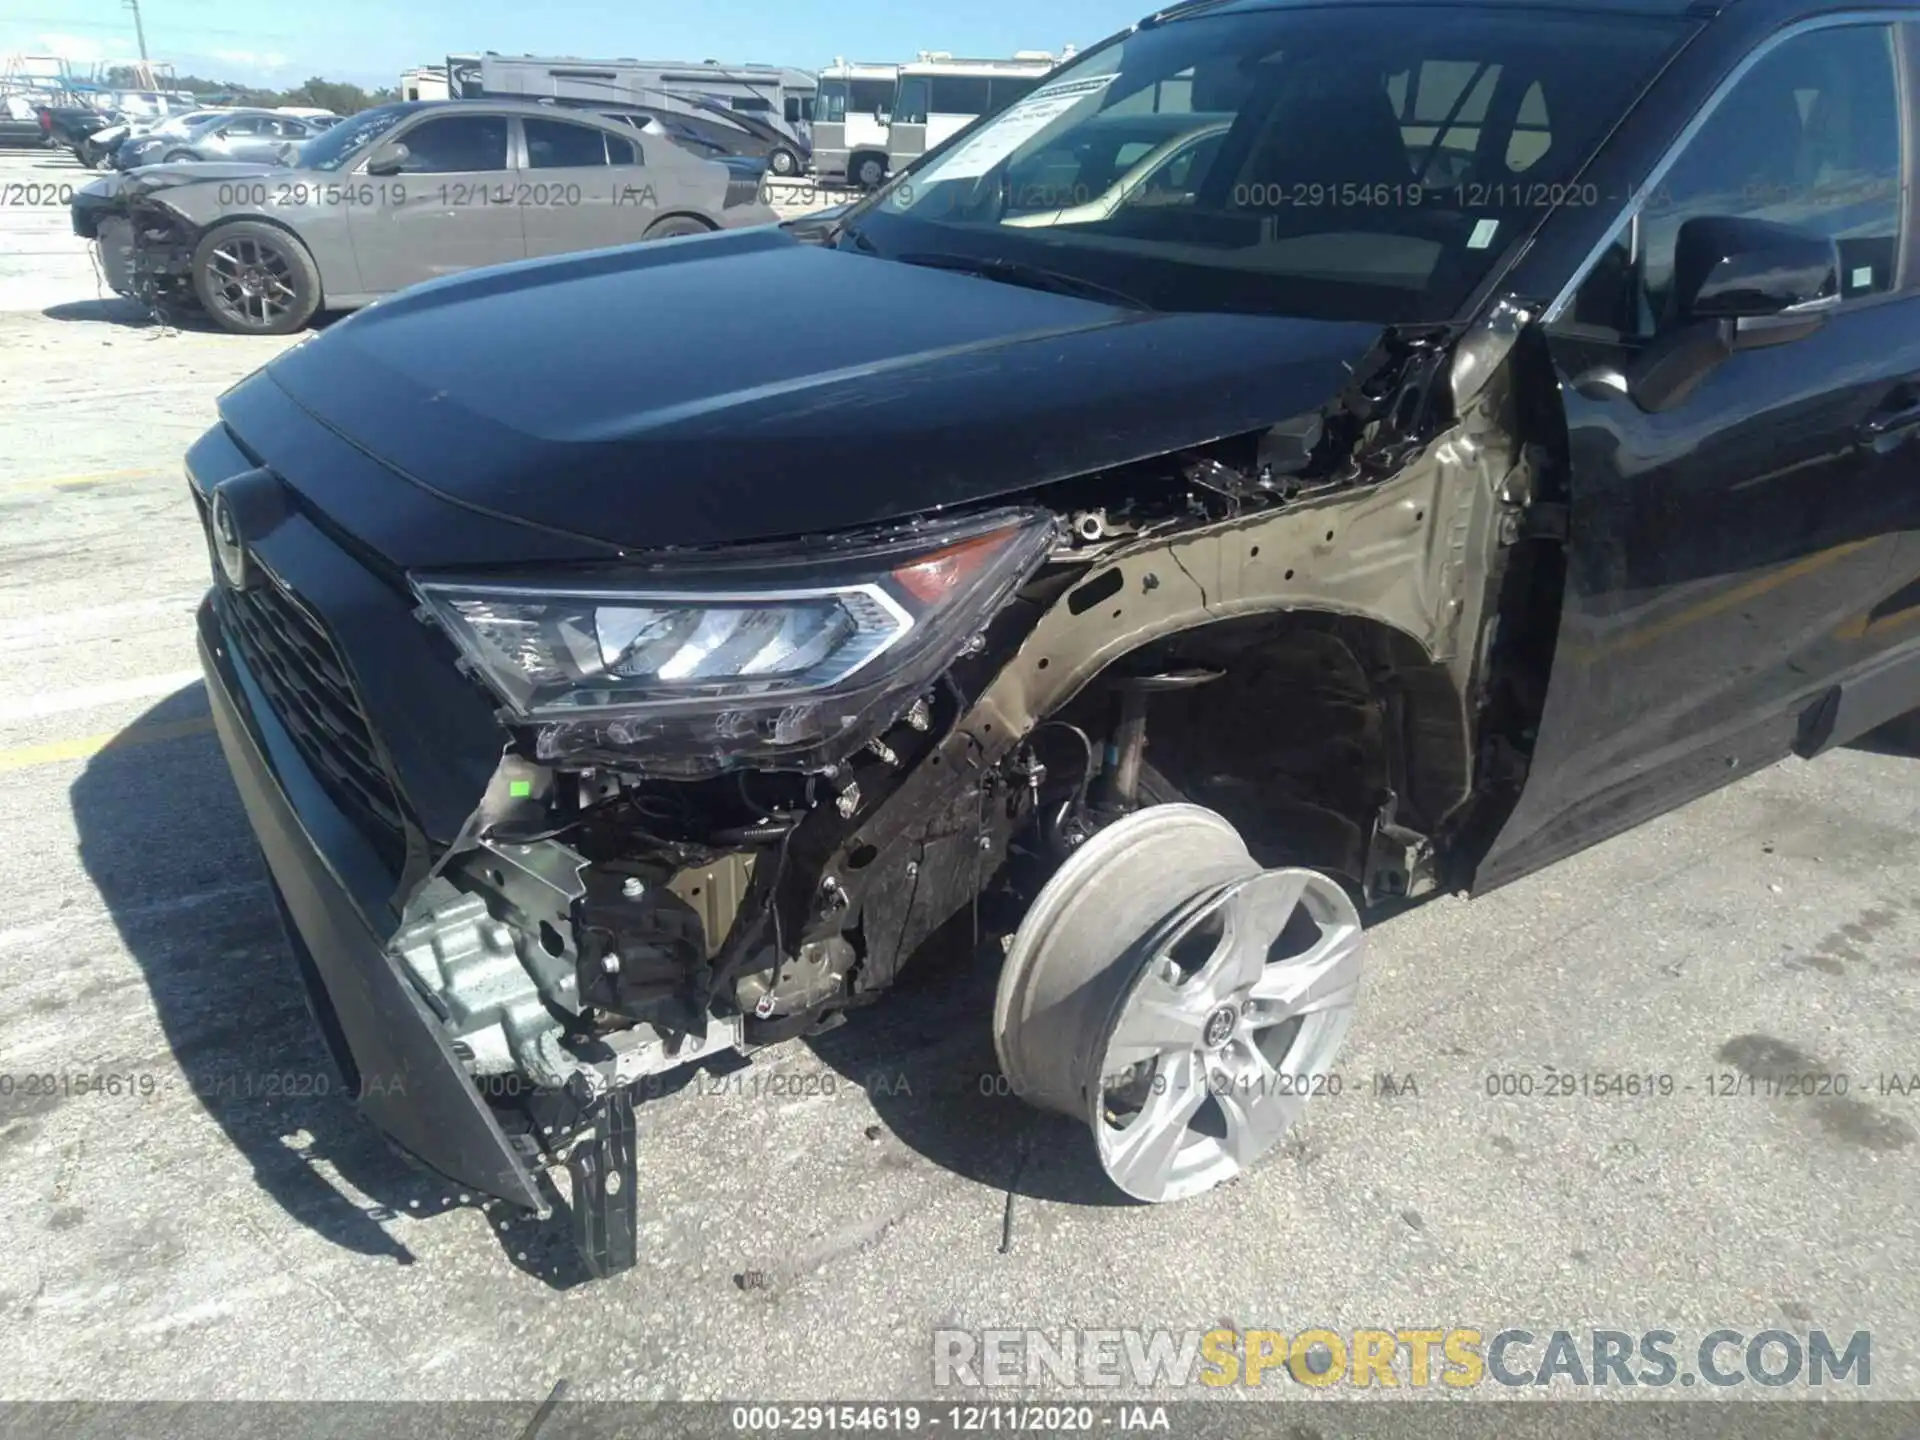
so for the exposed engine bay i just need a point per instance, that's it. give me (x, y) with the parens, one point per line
(1329, 636)
(145, 248)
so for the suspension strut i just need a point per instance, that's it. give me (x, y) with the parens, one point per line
(1127, 742)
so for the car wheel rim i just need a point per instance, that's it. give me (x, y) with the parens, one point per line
(1228, 1027)
(252, 281)
(1179, 999)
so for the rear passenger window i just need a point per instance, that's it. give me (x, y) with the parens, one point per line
(1809, 137)
(623, 152)
(556, 145)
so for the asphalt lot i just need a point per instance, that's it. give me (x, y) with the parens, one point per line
(213, 1235)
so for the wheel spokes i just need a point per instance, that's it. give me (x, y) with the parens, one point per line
(1160, 1020)
(1256, 1105)
(1142, 1155)
(1241, 950)
(251, 280)
(1326, 977)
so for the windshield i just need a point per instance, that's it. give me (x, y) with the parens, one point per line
(1299, 161)
(338, 145)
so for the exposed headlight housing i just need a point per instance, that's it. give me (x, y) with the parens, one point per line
(773, 655)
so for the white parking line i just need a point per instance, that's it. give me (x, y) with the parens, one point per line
(91, 697)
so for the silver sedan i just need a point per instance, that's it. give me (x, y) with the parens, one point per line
(395, 196)
(254, 136)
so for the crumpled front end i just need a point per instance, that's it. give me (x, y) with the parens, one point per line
(540, 841)
(145, 243)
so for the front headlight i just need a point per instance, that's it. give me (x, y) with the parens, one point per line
(765, 655)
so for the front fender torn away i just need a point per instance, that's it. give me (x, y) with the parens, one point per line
(597, 927)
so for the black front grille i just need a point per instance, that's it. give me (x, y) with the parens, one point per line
(296, 664)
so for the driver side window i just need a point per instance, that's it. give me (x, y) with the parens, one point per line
(1809, 137)
(456, 144)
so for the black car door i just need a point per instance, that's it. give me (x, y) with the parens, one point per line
(1731, 557)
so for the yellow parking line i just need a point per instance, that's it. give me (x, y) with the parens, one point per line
(1860, 627)
(97, 477)
(23, 757)
(1714, 605)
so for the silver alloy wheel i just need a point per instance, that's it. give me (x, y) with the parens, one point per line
(1177, 997)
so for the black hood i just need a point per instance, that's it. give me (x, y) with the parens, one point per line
(748, 386)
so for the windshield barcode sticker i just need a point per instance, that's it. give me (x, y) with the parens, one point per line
(1483, 234)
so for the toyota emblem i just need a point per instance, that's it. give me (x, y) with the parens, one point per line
(228, 547)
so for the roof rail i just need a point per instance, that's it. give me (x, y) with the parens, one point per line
(1179, 12)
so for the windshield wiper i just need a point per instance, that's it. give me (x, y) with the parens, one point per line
(857, 238)
(1034, 277)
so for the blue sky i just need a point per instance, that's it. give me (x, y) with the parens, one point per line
(371, 41)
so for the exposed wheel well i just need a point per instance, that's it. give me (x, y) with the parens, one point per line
(1317, 722)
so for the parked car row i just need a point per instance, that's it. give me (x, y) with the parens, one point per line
(258, 136)
(397, 195)
(102, 138)
(19, 125)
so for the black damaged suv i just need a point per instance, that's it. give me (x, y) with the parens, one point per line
(1300, 458)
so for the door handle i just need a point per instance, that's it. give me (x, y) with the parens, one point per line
(1900, 414)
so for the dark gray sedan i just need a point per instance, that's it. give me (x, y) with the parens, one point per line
(395, 196)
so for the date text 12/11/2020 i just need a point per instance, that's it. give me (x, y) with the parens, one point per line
(382, 194)
(1552, 1084)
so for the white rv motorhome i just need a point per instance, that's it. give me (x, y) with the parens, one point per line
(939, 96)
(425, 82)
(850, 122)
(774, 95)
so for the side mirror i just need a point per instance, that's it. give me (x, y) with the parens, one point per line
(1738, 284)
(389, 161)
(1725, 268)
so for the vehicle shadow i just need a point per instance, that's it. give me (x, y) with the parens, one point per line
(131, 314)
(925, 1059)
(108, 309)
(165, 841)
(1899, 737)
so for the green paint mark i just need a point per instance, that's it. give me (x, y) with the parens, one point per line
(520, 789)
